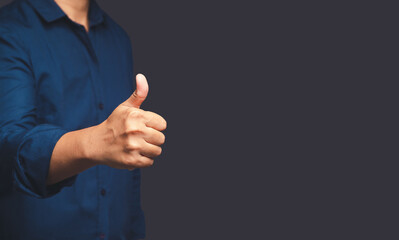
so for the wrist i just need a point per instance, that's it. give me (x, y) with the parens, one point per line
(89, 144)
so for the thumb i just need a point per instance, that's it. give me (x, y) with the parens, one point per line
(139, 95)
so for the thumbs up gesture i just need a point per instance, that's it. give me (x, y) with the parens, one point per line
(138, 96)
(130, 137)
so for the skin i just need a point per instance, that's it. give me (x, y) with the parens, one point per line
(76, 10)
(130, 137)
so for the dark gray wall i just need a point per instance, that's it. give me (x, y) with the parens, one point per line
(272, 116)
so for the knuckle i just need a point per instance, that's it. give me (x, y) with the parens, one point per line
(134, 113)
(133, 128)
(133, 145)
(126, 123)
(135, 94)
(130, 111)
(148, 113)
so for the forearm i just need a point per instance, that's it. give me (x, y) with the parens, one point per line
(71, 155)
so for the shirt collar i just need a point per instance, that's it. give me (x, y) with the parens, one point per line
(96, 14)
(50, 11)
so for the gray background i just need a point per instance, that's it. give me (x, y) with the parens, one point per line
(272, 118)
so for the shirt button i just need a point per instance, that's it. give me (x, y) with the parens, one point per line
(102, 235)
(103, 192)
(101, 106)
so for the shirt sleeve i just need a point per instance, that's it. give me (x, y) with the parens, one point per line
(25, 146)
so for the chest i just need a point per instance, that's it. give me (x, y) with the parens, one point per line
(80, 77)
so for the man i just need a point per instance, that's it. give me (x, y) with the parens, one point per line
(70, 127)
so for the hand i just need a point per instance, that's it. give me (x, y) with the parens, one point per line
(130, 137)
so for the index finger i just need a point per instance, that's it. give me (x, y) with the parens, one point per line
(155, 121)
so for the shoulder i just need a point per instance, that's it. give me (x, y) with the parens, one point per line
(14, 18)
(16, 29)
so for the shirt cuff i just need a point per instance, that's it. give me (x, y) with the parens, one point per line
(33, 161)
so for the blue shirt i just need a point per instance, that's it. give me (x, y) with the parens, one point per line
(54, 78)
